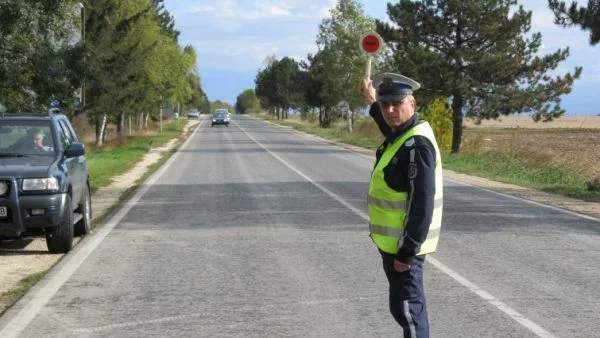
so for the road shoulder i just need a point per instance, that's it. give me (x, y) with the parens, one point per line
(27, 256)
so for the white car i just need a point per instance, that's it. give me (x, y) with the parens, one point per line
(193, 114)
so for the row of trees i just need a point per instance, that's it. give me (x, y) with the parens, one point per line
(476, 55)
(124, 54)
(325, 79)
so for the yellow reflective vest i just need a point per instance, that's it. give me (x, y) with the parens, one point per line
(388, 207)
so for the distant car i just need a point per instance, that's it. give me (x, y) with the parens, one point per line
(193, 114)
(225, 111)
(220, 117)
(44, 180)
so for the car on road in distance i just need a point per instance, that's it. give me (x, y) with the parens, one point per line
(220, 117)
(44, 180)
(223, 110)
(193, 114)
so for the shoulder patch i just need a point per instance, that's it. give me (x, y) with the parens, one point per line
(410, 142)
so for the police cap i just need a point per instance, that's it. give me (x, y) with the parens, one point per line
(393, 87)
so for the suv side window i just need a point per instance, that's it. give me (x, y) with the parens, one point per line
(65, 135)
(69, 130)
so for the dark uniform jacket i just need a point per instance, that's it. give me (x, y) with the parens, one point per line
(418, 180)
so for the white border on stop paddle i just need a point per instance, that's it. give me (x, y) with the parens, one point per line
(370, 54)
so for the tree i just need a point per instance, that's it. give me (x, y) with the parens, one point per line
(247, 102)
(218, 104)
(587, 18)
(279, 86)
(339, 65)
(134, 65)
(38, 59)
(166, 20)
(475, 53)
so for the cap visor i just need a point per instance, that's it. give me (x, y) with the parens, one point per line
(392, 98)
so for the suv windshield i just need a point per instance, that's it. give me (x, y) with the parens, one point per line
(25, 138)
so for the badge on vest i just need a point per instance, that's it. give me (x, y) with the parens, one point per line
(412, 170)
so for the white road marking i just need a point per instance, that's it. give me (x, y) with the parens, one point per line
(74, 259)
(572, 213)
(512, 313)
(43, 295)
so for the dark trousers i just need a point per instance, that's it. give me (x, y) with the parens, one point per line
(407, 297)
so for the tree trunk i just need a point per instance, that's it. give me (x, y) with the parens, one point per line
(120, 124)
(321, 117)
(349, 114)
(100, 126)
(457, 122)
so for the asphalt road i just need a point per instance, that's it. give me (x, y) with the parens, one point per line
(252, 230)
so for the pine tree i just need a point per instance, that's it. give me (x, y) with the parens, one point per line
(587, 18)
(477, 54)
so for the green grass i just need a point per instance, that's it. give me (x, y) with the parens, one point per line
(523, 169)
(105, 164)
(11, 296)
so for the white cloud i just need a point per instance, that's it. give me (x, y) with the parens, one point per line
(240, 10)
(325, 11)
(203, 9)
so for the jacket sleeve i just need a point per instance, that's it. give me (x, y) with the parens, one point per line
(420, 170)
(375, 113)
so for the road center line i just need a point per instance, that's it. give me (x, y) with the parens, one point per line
(512, 313)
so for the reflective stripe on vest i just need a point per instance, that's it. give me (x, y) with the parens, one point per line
(388, 207)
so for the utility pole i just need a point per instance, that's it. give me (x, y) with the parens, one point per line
(161, 114)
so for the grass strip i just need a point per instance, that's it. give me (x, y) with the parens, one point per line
(519, 168)
(119, 158)
(8, 298)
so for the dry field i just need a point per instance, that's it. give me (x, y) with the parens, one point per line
(577, 122)
(572, 142)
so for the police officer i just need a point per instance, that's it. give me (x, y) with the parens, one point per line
(405, 197)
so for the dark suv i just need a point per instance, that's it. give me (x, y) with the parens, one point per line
(44, 180)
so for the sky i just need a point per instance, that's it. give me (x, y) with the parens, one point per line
(234, 37)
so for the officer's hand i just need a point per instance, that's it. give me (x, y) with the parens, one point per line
(401, 267)
(367, 91)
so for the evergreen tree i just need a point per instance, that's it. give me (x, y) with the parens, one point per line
(476, 53)
(587, 18)
(166, 20)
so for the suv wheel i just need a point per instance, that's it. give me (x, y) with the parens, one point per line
(85, 208)
(60, 238)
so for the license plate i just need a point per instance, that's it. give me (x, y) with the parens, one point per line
(3, 212)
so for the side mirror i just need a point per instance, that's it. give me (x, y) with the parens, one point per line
(74, 150)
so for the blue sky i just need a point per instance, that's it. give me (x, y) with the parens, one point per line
(233, 38)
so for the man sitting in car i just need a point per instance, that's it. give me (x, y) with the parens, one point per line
(34, 140)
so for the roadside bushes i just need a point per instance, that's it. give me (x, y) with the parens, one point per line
(439, 116)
